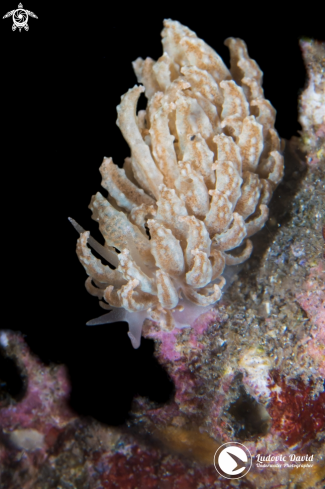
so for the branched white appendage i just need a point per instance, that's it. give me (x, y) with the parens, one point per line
(107, 254)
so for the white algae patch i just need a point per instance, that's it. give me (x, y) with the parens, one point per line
(26, 439)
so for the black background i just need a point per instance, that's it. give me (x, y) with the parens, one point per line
(61, 82)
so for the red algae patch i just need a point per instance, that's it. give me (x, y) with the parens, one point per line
(295, 413)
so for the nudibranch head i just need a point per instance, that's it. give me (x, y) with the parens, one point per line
(205, 160)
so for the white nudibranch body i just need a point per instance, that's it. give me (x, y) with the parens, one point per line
(205, 160)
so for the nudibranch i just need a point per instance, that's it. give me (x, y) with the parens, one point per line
(205, 160)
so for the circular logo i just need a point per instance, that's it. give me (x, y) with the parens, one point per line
(232, 460)
(20, 17)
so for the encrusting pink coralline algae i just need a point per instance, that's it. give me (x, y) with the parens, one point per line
(205, 160)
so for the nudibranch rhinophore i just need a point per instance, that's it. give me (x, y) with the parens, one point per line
(205, 160)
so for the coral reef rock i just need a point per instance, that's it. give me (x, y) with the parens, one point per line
(312, 101)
